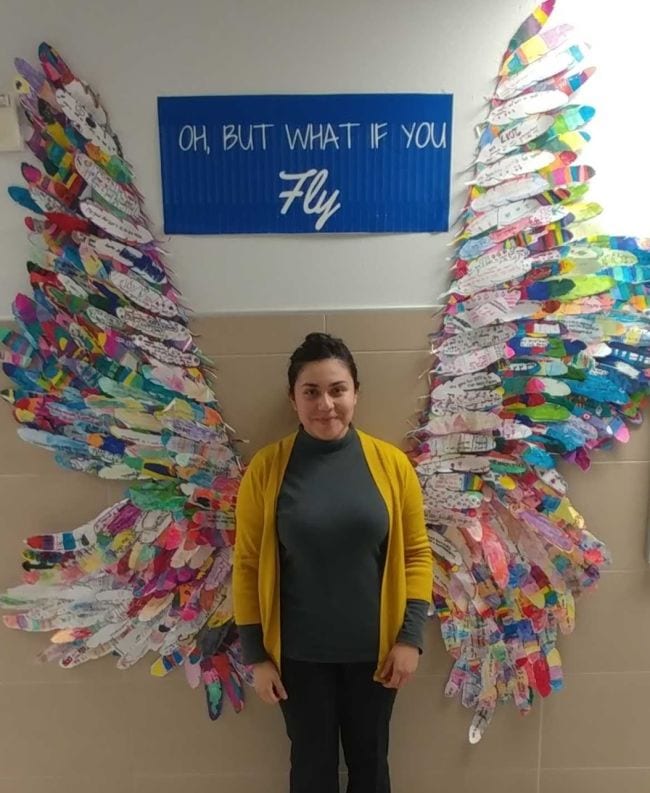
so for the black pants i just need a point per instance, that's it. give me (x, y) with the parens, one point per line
(325, 700)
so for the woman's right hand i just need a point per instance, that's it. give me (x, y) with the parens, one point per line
(267, 683)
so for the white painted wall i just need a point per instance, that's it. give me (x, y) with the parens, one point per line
(131, 51)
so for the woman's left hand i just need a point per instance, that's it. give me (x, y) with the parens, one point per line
(400, 665)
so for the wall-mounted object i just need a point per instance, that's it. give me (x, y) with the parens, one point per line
(287, 164)
(10, 138)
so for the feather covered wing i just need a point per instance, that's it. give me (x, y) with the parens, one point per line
(106, 375)
(543, 353)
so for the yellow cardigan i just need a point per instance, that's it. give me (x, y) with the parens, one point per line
(408, 571)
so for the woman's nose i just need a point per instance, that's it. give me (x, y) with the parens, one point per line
(325, 402)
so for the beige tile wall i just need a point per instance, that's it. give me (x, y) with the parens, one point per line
(99, 729)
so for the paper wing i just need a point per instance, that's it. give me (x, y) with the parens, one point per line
(543, 353)
(107, 376)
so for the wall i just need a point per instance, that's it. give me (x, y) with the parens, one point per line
(127, 732)
(131, 51)
(130, 733)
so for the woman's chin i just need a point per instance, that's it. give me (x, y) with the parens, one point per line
(327, 430)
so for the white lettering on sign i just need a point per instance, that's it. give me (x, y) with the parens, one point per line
(315, 201)
(424, 134)
(191, 136)
(320, 136)
(245, 136)
(376, 134)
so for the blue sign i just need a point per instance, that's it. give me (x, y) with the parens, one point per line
(302, 164)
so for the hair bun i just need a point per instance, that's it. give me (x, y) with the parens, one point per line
(318, 336)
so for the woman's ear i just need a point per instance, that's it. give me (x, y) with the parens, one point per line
(293, 402)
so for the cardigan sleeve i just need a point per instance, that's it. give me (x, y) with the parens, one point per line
(249, 523)
(252, 643)
(417, 551)
(415, 618)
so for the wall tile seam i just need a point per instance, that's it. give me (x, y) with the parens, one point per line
(208, 775)
(142, 775)
(540, 740)
(129, 776)
(401, 351)
(215, 357)
(436, 677)
(293, 312)
(572, 675)
(621, 570)
(70, 686)
(617, 672)
(595, 768)
(63, 472)
(78, 683)
(617, 462)
(608, 571)
(32, 475)
(371, 309)
(289, 312)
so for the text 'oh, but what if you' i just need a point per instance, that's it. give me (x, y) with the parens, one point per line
(313, 137)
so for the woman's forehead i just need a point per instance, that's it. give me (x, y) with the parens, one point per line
(328, 371)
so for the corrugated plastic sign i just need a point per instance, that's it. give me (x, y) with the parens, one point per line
(305, 163)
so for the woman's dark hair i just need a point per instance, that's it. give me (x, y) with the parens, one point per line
(320, 347)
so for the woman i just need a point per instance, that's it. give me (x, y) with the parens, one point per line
(332, 576)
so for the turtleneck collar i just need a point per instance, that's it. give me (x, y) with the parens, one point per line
(319, 446)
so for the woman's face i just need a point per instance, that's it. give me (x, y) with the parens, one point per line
(324, 398)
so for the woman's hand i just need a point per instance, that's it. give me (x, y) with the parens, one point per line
(267, 683)
(400, 665)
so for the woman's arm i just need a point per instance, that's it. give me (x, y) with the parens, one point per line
(417, 551)
(249, 519)
(418, 562)
(402, 661)
(415, 618)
